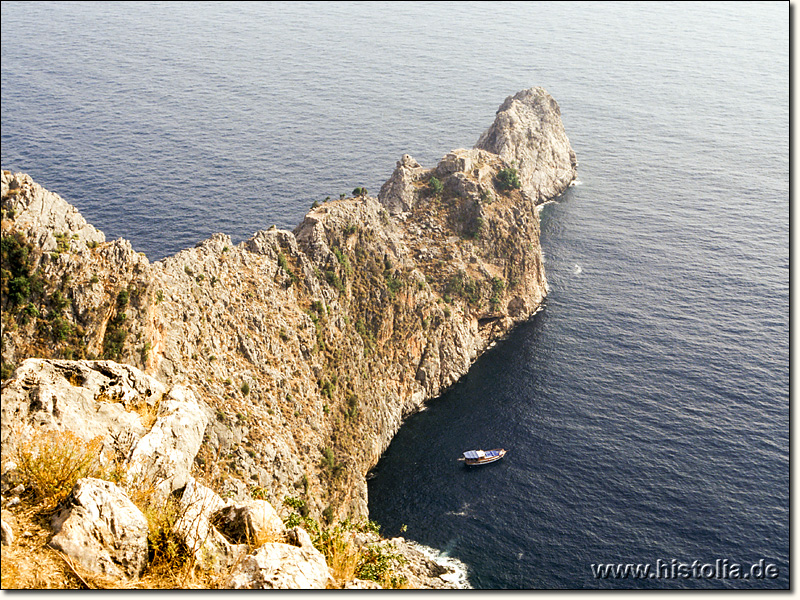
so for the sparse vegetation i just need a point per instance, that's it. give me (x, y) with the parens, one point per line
(283, 263)
(329, 465)
(332, 277)
(461, 285)
(116, 334)
(51, 462)
(508, 179)
(478, 226)
(498, 286)
(351, 407)
(435, 186)
(17, 281)
(337, 543)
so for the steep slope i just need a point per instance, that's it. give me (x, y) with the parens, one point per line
(307, 348)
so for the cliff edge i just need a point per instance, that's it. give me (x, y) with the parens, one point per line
(305, 350)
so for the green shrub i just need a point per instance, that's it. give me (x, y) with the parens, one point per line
(463, 286)
(498, 286)
(17, 283)
(359, 192)
(115, 336)
(378, 563)
(435, 186)
(343, 260)
(477, 228)
(508, 179)
(332, 277)
(351, 410)
(283, 263)
(6, 370)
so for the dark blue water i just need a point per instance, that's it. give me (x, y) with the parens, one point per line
(646, 409)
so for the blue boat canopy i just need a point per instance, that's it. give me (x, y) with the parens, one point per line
(476, 454)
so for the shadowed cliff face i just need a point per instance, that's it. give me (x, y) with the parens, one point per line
(307, 348)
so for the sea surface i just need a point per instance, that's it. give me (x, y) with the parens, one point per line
(645, 410)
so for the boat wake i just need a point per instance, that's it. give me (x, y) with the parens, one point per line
(462, 512)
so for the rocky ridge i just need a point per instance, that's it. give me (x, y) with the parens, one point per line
(301, 352)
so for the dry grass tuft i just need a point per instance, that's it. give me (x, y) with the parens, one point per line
(343, 558)
(51, 462)
(28, 563)
(147, 412)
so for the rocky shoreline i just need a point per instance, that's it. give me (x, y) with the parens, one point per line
(280, 367)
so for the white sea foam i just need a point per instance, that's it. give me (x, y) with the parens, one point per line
(458, 570)
(575, 183)
(461, 512)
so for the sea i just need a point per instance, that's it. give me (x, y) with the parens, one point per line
(645, 409)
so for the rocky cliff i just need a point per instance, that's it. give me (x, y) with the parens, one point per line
(305, 350)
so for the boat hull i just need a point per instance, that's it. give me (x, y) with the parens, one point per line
(493, 456)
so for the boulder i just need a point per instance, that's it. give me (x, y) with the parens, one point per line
(210, 548)
(362, 584)
(252, 523)
(6, 531)
(88, 398)
(283, 566)
(102, 530)
(164, 456)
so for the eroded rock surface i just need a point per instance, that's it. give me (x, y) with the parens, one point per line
(284, 567)
(102, 529)
(283, 365)
(88, 398)
(528, 132)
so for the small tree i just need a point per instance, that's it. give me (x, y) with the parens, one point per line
(508, 179)
(435, 186)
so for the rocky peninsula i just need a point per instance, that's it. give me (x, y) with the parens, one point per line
(254, 385)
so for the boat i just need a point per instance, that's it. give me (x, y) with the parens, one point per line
(482, 457)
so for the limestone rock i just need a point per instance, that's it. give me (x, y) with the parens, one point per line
(528, 133)
(37, 207)
(420, 570)
(398, 193)
(211, 549)
(88, 398)
(6, 530)
(327, 336)
(362, 584)
(101, 529)
(282, 566)
(251, 523)
(165, 454)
